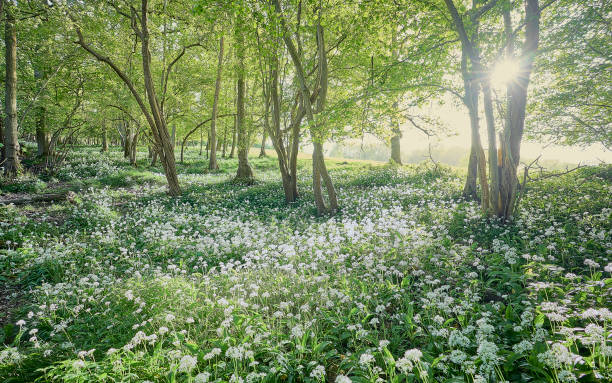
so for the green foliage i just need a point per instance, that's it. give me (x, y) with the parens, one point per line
(572, 98)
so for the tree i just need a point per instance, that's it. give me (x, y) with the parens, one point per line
(502, 191)
(212, 138)
(244, 171)
(12, 163)
(154, 114)
(471, 73)
(572, 100)
(319, 170)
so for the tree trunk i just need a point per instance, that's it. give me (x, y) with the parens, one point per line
(286, 163)
(318, 162)
(127, 141)
(201, 139)
(153, 114)
(12, 164)
(492, 136)
(234, 133)
(212, 138)
(477, 161)
(173, 136)
(319, 172)
(42, 133)
(154, 159)
(1, 132)
(207, 142)
(133, 149)
(104, 138)
(264, 136)
(244, 168)
(166, 149)
(396, 155)
(224, 143)
(469, 189)
(517, 102)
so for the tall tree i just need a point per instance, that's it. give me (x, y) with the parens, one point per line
(12, 164)
(503, 180)
(571, 103)
(319, 170)
(138, 18)
(212, 162)
(244, 171)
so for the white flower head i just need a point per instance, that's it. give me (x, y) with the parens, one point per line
(187, 363)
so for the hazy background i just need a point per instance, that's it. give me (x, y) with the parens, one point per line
(453, 149)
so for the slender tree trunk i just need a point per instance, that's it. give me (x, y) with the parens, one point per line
(1, 109)
(396, 155)
(153, 114)
(12, 164)
(234, 133)
(166, 149)
(517, 102)
(42, 133)
(133, 149)
(480, 156)
(224, 143)
(173, 136)
(244, 168)
(1, 132)
(264, 136)
(129, 136)
(207, 142)
(295, 145)
(492, 136)
(319, 172)
(477, 161)
(319, 169)
(154, 159)
(469, 189)
(286, 165)
(212, 138)
(201, 139)
(104, 138)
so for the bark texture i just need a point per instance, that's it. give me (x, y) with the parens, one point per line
(264, 136)
(503, 161)
(212, 136)
(244, 173)
(104, 138)
(12, 164)
(517, 102)
(319, 170)
(153, 114)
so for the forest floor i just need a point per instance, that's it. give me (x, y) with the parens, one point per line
(227, 283)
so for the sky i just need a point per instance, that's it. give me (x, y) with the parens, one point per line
(458, 120)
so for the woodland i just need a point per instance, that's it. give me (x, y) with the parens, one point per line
(175, 206)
